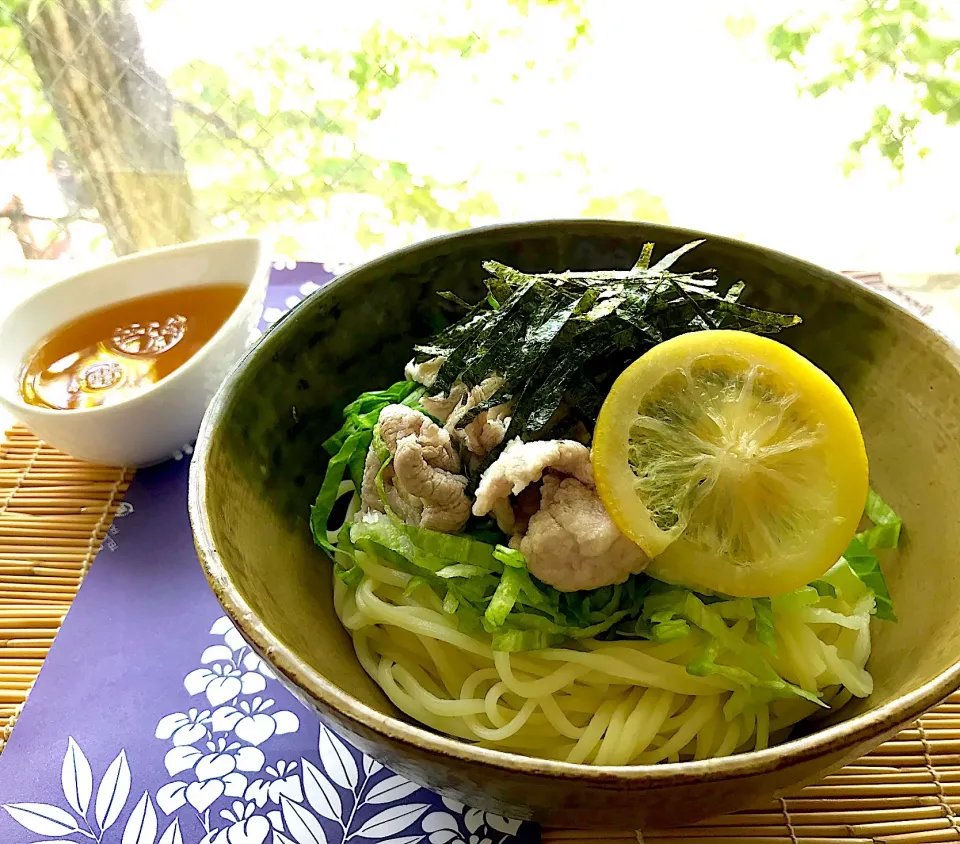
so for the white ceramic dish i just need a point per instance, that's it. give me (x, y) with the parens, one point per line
(153, 425)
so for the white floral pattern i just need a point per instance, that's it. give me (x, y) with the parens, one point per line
(222, 791)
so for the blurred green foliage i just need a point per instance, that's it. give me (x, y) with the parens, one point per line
(633, 205)
(275, 136)
(912, 40)
(27, 121)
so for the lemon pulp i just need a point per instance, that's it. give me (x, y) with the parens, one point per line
(734, 462)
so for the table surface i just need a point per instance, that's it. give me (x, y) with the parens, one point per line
(56, 511)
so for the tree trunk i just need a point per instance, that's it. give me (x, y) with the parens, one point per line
(116, 113)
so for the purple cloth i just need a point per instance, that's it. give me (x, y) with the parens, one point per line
(153, 723)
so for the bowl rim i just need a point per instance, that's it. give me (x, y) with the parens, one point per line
(253, 287)
(861, 729)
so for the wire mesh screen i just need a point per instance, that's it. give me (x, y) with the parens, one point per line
(346, 129)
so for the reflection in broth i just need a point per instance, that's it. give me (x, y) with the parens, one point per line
(109, 355)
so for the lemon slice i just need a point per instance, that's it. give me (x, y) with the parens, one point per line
(732, 461)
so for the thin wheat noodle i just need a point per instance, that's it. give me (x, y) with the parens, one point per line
(606, 703)
(731, 738)
(472, 683)
(507, 730)
(584, 747)
(450, 675)
(704, 739)
(490, 708)
(613, 736)
(552, 683)
(668, 676)
(556, 716)
(643, 724)
(763, 728)
(698, 714)
(433, 703)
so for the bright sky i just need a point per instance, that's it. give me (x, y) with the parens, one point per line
(663, 99)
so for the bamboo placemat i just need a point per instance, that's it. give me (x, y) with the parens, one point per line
(55, 512)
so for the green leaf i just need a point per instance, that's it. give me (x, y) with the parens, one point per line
(509, 557)
(451, 602)
(824, 589)
(351, 576)
(751, 668)
(364, 411)
(454, 547)
(887, 524)
(462, 570)
(513, 641)
(357, 442)
(860, 558)
(508, 590)
(766, 631)
(413, 584)
(667, 631)
(863, 562)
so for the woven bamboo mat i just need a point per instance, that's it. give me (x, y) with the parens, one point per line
(56, 511)
(54, 514)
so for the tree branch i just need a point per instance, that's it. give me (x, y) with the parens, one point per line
(225, 129)
(20, 225)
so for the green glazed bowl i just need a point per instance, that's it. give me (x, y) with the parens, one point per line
(258, 465)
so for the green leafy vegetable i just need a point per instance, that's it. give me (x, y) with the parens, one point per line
(860, 558)
(509, 557)
(451, 603)
(824, 588)
(508, 590)
(348, 449)
(766, 632)
(864, 564)
(462, 570)
(514, 640)
(667, 631)
(355, 443)
(351, 576)
(885, 532)
(749, 658)
(413, 584)
(362, 413)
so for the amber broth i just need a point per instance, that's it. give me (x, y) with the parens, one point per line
(109, 355)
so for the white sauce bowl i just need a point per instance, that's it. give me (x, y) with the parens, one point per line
(151, 426)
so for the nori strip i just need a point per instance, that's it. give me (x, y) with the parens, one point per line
(559, 340)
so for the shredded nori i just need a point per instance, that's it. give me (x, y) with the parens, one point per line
(559, 340)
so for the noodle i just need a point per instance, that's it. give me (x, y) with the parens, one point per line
(606, 703)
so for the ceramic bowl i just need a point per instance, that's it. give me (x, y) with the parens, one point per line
(151, 426)
(258, 465)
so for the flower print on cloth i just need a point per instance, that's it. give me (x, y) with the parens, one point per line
(253, 721)
(232, 669)
(482, 827)
(283, 780)
(225, 785)
(95, 807)
(242, 825)
(184, 727)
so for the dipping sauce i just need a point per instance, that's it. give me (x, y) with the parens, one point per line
(109, 355)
